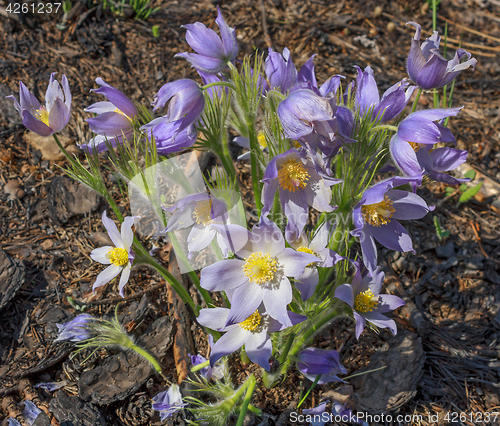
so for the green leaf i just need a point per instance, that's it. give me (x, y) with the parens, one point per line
(467, 195)
(471, 174)
(463, 187)
(449, 190)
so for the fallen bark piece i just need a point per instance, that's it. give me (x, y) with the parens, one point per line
(74, 411)
(11, 278)
(389, 388)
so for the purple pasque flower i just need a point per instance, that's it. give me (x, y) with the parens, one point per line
(186, 102)
(301, 183)
(412, 147)
(301, 110)
(245, 143)
(259, 274)
(313, 362)
(391, 104)
(199, 212)
(376, 217)
(75, 330)
(30, 412)
(363, 296)
(47, 119)
(213, 53)
(253, 332)
(120, 257)
(114, 120)
(280, 71)
(168, 402)
(218, 371)
(308, 281)
(427, 68)
(11, 421)
(167, 136)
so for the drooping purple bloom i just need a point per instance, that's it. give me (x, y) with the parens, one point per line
(280, 71)
(213, 52)
(262, 274)
(301, 184)
(253, 332)
(167, 136)
(412, 147)
(114, 120)
(30, 412)
(427, 68)
(11, 421)
(120, 257)
(313, 362)
(168, 402)
(363, 296)
(50, 118)
(199, 212)
(308, 281)
(376, 217)
(391, 104)
(75, 330)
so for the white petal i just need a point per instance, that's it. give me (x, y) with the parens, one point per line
(124, 278)
(106, 276)
(101, 255)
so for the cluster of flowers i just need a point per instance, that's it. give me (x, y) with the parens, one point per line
(323, 150)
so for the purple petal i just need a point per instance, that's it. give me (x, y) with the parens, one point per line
(214, 318)
(388, 302)
(259, 349)
(344, 292)
(204, 41)
(393, 236)
(276, 300)
(223, 275)
(404, 156)
(117, 98)
(294, 262)
(244, 302)
(36, 125)
(234, 339)
(203, 63)
(408, 205)
(379, 320)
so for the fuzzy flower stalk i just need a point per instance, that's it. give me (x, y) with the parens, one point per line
(93, 333)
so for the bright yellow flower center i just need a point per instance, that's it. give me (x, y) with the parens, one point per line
(296, 144)
(305, 249)
(43, 115)
(261, 138)
(260, 268)
(293, 175)
(252, 322)
(118, 256)
(202, 212)
(365, 302)
(379, 213)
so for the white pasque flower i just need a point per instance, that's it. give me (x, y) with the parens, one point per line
(120, 257)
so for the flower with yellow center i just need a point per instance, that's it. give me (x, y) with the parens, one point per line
(203, 212)
(365, 301)
(260, 268)
(378, 214)
(119, 257)
(305, 249)
(252, 322)
(292, 175)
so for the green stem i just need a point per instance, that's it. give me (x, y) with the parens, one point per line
(248, 396)
(218, 83)
(254, 410)
(286, 349)
(415, 102)
(383, 127)
(254, 148)
(179, 289)
(149, 357)
(200, 366)
(309, 391)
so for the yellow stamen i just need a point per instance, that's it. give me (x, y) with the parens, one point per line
(261, 138)
(379, 213)
(252, 322)
(296, 144)
(260, 268)
(119, 111)
(43, 115)
(415, 145)
(293, 175)
(305, 249)
(202, 212)
(366, 301)
(118, 256)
